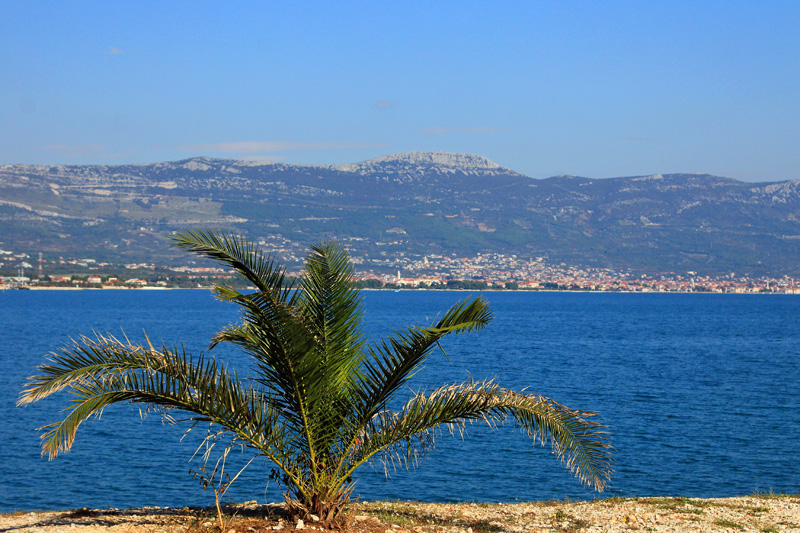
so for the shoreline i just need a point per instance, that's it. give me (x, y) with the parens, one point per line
(521, 291)
(767, 513)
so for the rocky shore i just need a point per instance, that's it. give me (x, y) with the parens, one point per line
(763, 513)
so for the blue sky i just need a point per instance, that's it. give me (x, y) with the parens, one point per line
(596, 89)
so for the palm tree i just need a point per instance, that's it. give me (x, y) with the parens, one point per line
(318, 405)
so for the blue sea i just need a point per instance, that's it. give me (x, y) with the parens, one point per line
(700, 393)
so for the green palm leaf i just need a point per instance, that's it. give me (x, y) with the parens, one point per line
(394, 361)
(166, 378)
(401, 436)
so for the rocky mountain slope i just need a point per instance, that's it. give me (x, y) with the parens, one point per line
(412, 203)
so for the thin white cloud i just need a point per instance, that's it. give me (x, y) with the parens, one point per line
(262, 158)
(73, 151)
(254, 147)
(385, 104)
(114, 50)
(437, 131)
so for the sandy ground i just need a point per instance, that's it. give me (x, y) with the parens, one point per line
(763, 513)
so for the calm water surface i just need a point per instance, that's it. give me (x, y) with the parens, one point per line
(700, 392)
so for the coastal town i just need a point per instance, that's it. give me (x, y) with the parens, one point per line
(389, 270)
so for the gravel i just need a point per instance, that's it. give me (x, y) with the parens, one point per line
(763, 513)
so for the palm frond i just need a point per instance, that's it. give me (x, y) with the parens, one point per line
(466, 316)
(392, 362)
(401, 437)
(166, 378)
(74, 363)
(240, 254)
(281, 342)
(331, 304)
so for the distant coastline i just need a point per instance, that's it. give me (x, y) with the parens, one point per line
(404, 289)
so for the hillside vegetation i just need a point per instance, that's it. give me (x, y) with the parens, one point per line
(416, 204)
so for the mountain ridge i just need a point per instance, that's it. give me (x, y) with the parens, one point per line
(412, 203)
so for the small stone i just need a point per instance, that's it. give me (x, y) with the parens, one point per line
(300, 524)
(314, 517)
(277, 527)
(207, 524)
(232, 531)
